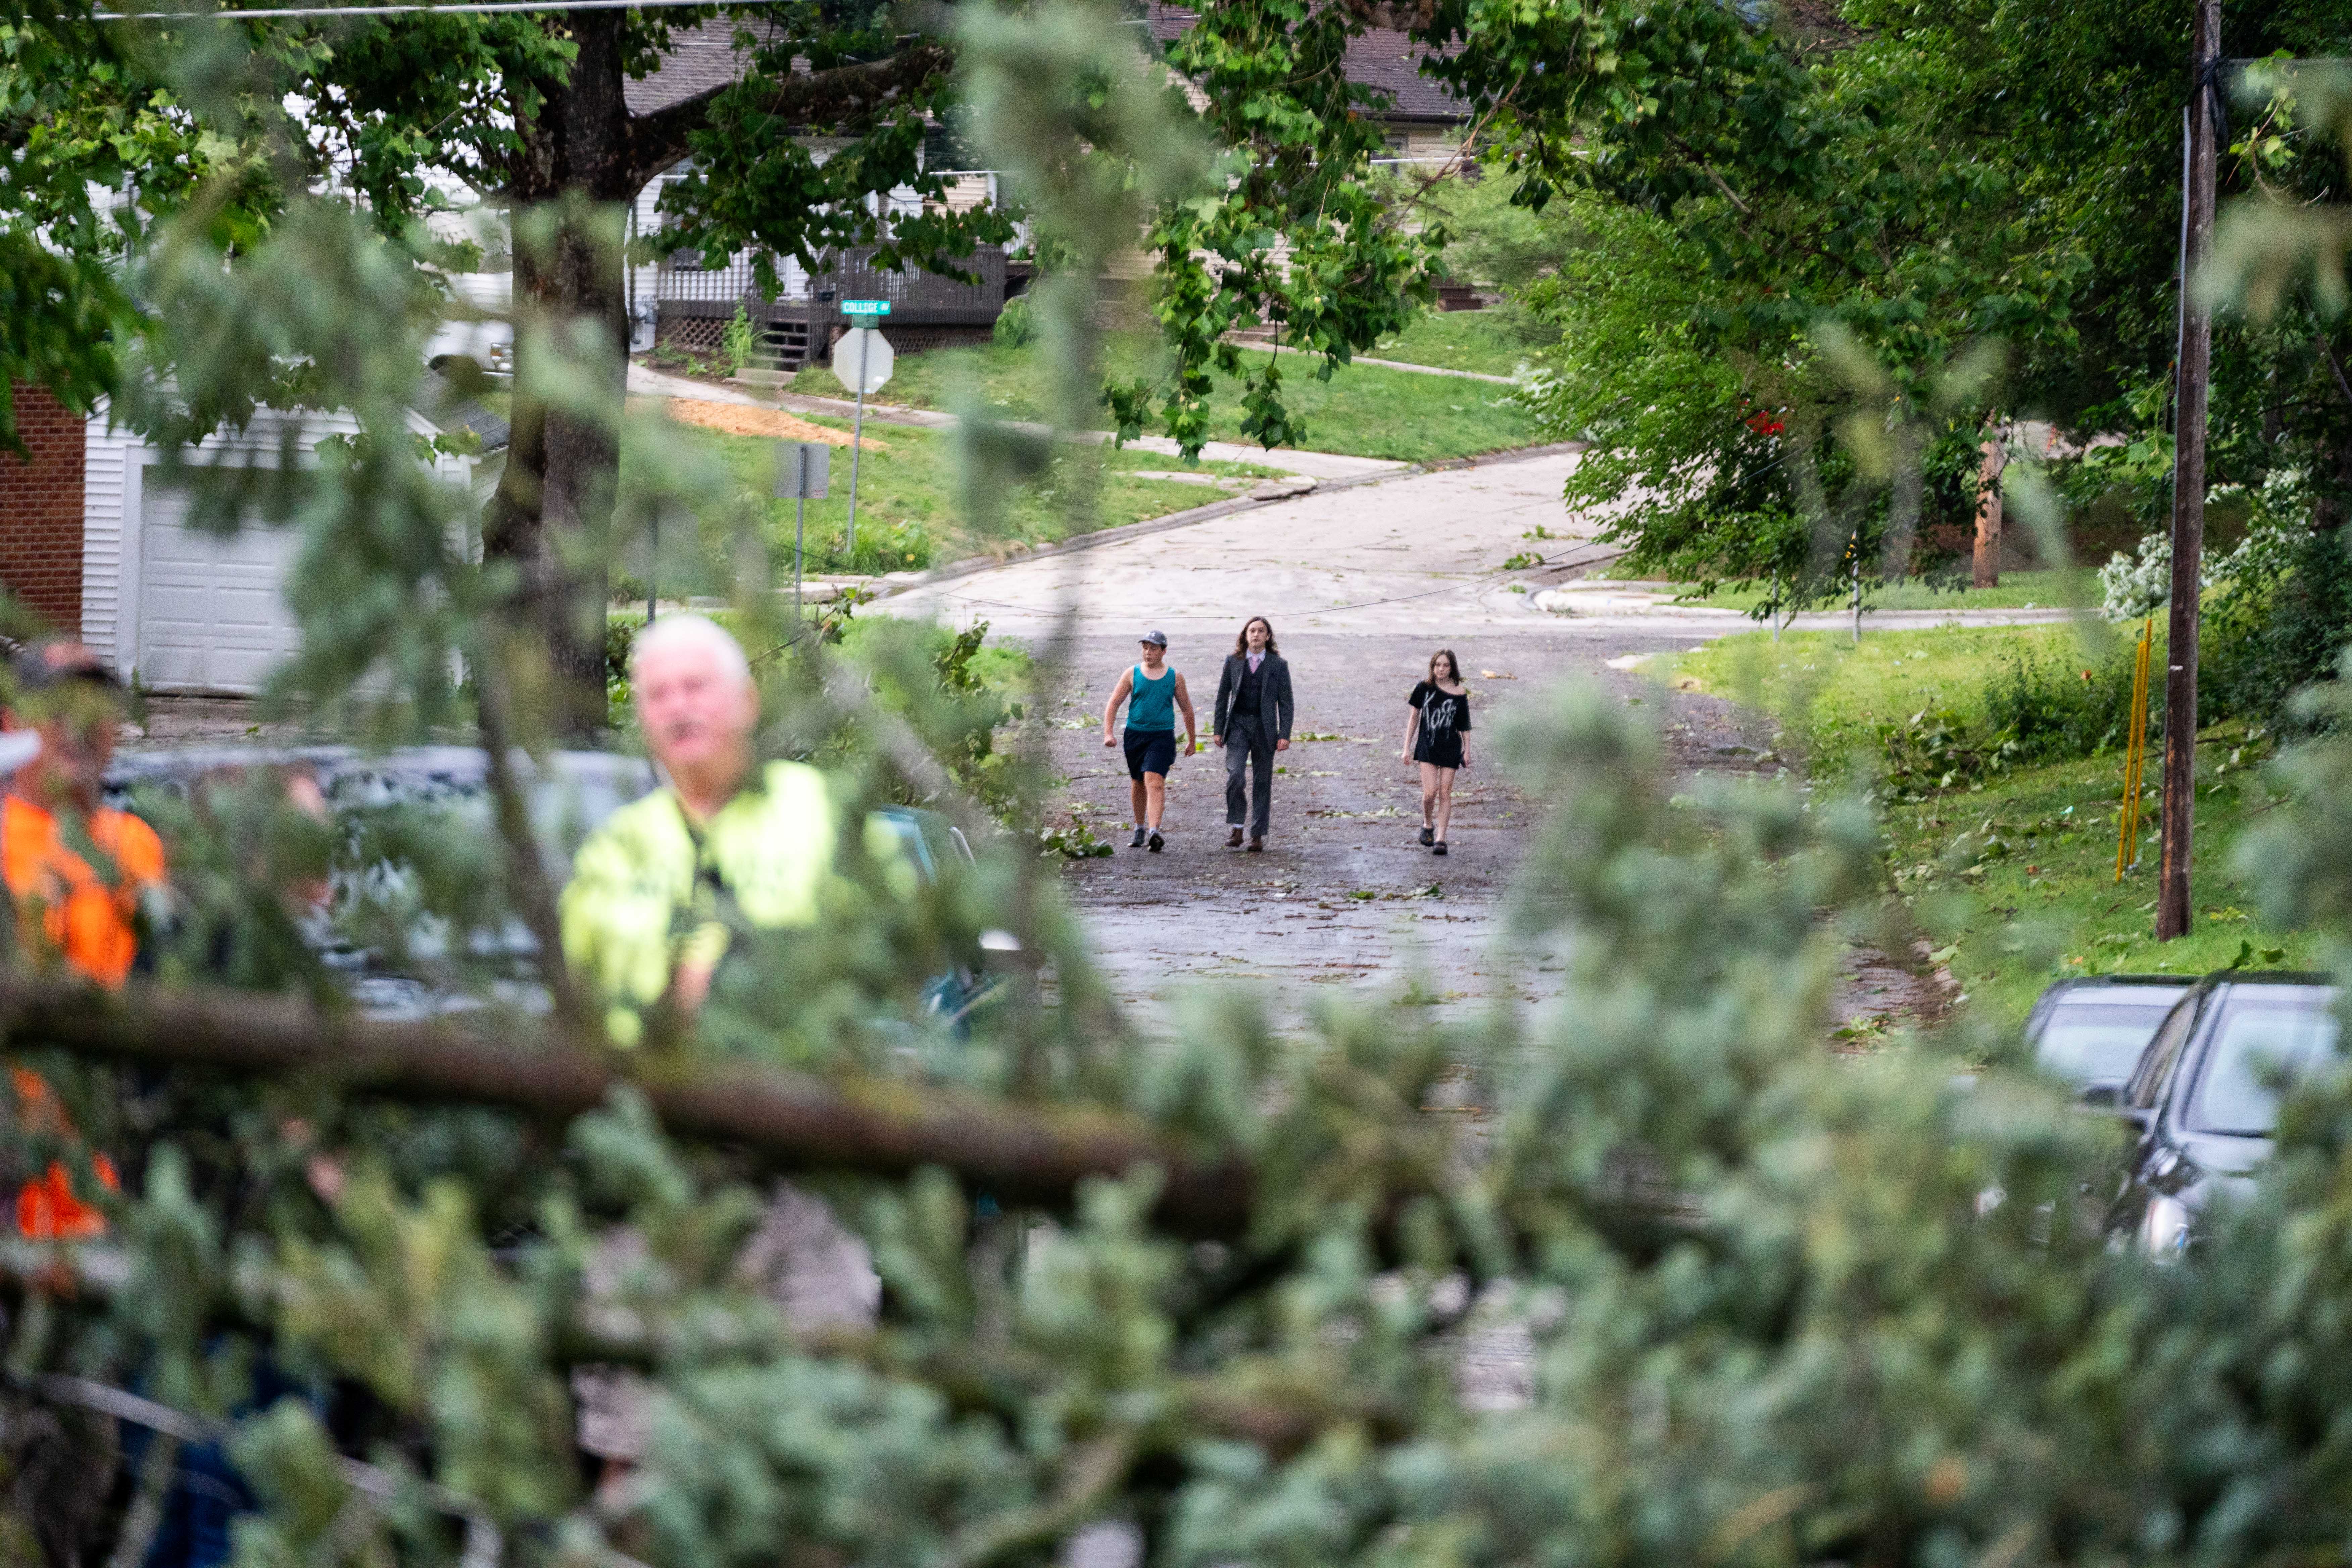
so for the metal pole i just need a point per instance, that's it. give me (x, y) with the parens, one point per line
(1857, 587)
(800, 522)
(856, 432)
(2173, 914)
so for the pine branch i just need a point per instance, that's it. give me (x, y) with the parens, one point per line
(1030, 1155)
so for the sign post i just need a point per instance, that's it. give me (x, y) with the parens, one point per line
(873, 361)
(801, 470)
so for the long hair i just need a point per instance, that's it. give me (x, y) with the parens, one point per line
(1241, 637)
(1453, 665)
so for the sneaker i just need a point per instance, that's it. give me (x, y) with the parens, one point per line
(1428, 834)
(1155, 841)
(1438, 848)
(1136, 842)
(1233, 841)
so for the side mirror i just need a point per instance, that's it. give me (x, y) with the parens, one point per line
(2100, 1096)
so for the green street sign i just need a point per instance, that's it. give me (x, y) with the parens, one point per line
(865, 306)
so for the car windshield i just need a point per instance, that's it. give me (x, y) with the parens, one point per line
(2098, 1042)
(2260, 1041)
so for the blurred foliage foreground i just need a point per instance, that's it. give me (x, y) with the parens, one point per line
(1750, 1301)
(1648, 1274)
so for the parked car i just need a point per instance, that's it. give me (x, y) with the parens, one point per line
(569, 798)
(2204, 1097)
(2089, 1032)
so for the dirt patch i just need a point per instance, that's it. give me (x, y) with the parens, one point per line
(743, 419)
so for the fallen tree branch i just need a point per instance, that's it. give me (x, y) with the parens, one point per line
(1030, 1156)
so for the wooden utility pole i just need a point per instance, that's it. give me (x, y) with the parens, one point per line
(2173, 914)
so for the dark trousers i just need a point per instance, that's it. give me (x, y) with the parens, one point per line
(1254, 748)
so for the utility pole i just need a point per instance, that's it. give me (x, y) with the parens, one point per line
(2200, 157)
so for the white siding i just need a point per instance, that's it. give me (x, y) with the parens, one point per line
(212, 618)
(106, 481)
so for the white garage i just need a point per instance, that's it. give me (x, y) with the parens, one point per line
(190, 611)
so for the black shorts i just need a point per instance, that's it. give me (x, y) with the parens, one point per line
(1441, 750)
(1150, 752)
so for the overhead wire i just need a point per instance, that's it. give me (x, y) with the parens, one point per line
(412, 8)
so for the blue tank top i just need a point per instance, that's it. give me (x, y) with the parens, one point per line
(1152, 709)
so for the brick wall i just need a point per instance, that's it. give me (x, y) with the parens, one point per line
(40, 510)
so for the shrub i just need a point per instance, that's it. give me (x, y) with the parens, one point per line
(1016, 324)
(2034, 710)
(735, 348)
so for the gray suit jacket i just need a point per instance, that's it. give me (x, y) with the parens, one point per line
(1274, 704)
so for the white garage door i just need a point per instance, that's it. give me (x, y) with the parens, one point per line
(212, 611)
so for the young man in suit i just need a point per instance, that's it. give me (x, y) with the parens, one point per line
(1252, 722)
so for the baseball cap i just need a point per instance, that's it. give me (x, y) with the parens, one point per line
(48, 663)
(1157, 639)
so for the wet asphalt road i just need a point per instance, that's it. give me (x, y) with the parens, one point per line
(1343, 898)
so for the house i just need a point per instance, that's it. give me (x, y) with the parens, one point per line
(1424, 122)
(97, 541)
(679, 302)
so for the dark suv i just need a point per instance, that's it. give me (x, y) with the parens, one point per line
(2204, 1097)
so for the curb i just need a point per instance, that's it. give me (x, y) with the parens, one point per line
(973, 565)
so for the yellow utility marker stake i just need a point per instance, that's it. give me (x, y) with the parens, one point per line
(2135, 754)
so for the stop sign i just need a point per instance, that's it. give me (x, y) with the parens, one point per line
(862, 360)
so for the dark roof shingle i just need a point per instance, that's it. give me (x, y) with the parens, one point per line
(1377, 57)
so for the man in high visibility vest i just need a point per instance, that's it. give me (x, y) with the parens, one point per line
(654, 889)
(79, 875)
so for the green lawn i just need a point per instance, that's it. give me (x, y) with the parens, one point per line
(2015, 874)
(909, 517)
(2018, 879)
(1829, 696)
(1363, 411)
(2018, 591)
(1488, 341)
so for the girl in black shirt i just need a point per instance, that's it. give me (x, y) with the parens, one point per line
(1437, 717)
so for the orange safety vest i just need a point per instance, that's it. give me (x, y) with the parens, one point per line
(65, 909)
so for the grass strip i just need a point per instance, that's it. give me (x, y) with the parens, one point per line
(909, 513)
(1363, 411)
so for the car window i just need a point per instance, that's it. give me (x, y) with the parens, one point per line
(2087, 1042)
(2155, 1062)
(2260, 1042)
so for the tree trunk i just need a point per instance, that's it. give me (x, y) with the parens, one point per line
(1991, 459)
(553, 514)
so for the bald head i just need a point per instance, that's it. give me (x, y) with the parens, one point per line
(697, 706)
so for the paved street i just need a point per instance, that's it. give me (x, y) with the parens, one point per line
(1361, 585)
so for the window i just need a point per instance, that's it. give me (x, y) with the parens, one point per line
(2156, 1064)
(2098, 1042)
(2262, 1042)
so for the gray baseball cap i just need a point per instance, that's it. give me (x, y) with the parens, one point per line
(1157, 639)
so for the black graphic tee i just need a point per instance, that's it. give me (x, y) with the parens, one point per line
(1445, 719)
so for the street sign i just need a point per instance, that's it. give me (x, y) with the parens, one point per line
(865, 306)
(801, 470)
(862, 360)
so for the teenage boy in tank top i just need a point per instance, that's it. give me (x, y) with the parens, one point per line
(1157, 694)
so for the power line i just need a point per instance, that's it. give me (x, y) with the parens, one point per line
(455, 7)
